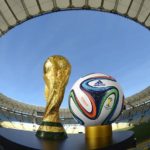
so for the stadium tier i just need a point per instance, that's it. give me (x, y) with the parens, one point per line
(139, 98)
(14, 114)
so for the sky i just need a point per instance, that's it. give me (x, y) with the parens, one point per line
(93, 42)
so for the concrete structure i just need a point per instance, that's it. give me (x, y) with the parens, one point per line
(139, 98)
(14, 114)
(15, 12)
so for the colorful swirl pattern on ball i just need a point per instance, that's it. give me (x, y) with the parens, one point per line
(74, 98)
(103, 93)
(97, 97)
(122, 107)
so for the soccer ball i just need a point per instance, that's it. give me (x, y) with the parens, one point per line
(96, 99)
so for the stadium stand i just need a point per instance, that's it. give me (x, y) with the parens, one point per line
(14, 114)
(17, 115)
(136, 117)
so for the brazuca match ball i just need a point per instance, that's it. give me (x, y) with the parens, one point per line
(96, 99)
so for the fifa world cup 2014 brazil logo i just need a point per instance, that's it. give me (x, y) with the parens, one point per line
(56, 74)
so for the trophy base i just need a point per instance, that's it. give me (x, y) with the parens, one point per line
(26, 140)
(51, 130)
(51, 135)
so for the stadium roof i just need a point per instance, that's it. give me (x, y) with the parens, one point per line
(14, 12)
(141, 97)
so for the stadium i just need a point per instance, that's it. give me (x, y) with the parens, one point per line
(136, 117)
(26, 117)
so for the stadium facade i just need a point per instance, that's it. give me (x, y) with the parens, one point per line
(13, 13)
(14, 114)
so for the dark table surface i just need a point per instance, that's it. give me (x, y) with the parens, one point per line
(18, 139)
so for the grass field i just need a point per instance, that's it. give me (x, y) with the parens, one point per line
(142, 131)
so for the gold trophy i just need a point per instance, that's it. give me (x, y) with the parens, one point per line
(56, 74)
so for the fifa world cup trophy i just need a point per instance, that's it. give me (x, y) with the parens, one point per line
(56, 74)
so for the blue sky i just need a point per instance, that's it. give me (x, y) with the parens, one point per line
(92, 41)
